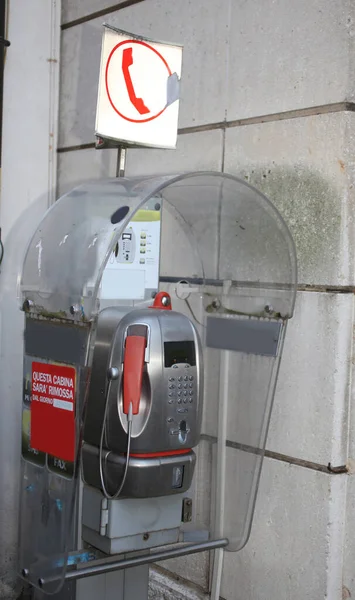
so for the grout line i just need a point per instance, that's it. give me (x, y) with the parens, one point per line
(299, 462)
(328, 289)
(99, 13)
(78, 147)
(223, 150)
(282, 116)
(311, 111)
(302, 287)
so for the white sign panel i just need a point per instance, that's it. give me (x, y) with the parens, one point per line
(133, 266)
(138, 96)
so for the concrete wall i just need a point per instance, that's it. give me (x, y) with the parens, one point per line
(267, 94)
(28, 183)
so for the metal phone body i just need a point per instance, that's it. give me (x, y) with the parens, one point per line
(169, 421)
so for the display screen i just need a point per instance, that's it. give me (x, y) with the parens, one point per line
(179, 352)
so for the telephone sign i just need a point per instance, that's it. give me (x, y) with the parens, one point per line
(138, 96)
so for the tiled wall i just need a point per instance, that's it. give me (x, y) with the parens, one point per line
(279, 73)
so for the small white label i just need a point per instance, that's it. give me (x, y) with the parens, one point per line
(63, 404)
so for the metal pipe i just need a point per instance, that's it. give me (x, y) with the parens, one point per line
(138, 561)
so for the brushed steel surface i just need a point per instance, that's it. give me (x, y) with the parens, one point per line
(170, 412)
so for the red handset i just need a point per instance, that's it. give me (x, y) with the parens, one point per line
(133, 365)
(127, 61)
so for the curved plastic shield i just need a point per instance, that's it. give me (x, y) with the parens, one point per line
(229, 262)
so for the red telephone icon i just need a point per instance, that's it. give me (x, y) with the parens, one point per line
(127, 61)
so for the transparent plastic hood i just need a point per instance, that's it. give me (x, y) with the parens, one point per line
(223, 230)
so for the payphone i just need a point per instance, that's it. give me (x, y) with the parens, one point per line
(145, 418)
(140, 433)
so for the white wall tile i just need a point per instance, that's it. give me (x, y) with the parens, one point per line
(286, 55)
(200, 27)
(194, 152)
(305, 166)
(310, 413)
(76, 9)
(293, 551)
(81, 165)
(349, 541)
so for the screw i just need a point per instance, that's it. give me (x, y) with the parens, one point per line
(113, 373)
(27, 305)
(146, 536)
(25, 572)
(215, 303)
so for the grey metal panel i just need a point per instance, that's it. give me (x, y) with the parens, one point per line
(136, 583)
(131, 543)
(130, 584)
(132, 516)
(242, 335)
(56, 341)
(109, 586)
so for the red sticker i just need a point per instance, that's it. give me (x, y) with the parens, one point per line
(53, 410)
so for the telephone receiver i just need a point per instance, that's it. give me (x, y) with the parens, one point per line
(133, 366)
(127, 61)
(134, 355)
(140, 439)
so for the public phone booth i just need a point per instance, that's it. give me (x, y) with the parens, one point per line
(156, 311)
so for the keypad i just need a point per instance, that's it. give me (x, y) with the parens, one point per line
(181, 389)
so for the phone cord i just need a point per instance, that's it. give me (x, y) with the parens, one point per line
(129, 435)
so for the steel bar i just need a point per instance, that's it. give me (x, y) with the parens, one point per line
(138, 560)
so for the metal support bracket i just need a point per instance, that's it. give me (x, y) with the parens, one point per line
(109, 566)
